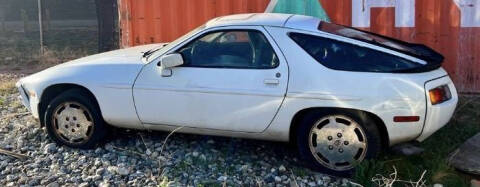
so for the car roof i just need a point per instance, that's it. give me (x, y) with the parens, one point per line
(267, 19)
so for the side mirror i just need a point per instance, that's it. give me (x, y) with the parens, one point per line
(171, 60)
(167, 62)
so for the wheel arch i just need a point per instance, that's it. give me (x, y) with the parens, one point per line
(53, 91)
(377, 120)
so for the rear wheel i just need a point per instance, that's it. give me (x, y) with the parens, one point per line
(337, 141)
(73, 119)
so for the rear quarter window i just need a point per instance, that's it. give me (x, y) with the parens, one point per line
(344, 56)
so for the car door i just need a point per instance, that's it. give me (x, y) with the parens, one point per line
(232, 79)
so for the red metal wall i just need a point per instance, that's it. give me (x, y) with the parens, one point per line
(152, 21)
(437, 24)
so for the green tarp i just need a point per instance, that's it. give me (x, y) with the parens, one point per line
(303, 7)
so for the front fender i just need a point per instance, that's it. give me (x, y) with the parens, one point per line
(111, 84)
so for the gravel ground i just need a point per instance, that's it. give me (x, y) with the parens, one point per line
(142, 159)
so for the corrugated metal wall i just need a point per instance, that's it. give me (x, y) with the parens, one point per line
(151, 21)
(437, 23)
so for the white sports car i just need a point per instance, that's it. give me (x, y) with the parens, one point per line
(338, 93)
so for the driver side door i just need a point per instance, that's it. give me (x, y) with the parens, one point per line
(232, 79)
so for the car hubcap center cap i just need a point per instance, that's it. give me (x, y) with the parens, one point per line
(337, 143)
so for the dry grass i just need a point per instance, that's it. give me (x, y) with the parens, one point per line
(34, 62)
(7, 87)
(161, 159)
(20, 53)
(52, 57)
(393, 180)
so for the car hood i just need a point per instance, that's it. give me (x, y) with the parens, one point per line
(133, 54)
(130, 58)
(118, 67)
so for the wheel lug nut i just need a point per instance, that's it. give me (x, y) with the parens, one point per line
(330, 137)
(330, 147)
(339, 135)
(340, 150)
(345, 142)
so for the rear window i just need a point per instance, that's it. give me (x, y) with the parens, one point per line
(364, 36)
(349, 57)
(433, 58)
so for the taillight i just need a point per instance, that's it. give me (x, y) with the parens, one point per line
(440, 94)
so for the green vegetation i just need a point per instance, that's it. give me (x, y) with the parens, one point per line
(465, 124)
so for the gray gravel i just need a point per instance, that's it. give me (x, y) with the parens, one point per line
(136, 158)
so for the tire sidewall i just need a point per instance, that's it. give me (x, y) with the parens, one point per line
(79, 96)
(303, 132)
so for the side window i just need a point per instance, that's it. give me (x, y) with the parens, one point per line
(349, 57)
(246, 49)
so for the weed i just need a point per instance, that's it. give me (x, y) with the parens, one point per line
(299, 172)
(7, 87)
(463, 125)
(165, 182)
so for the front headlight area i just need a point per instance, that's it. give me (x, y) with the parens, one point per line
(24, 97)
(28, 97)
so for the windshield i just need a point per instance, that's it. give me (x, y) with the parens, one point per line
(417, 50)
(174, 43)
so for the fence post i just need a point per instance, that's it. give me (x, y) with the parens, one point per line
(40, 24)
(3, 9)
(3, 24)
(24, 16)
(107, 14)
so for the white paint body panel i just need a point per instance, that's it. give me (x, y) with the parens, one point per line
(242, 102)
(438, 115)
(109, 76)
(383, 94)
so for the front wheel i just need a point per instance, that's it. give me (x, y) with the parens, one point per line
(335, 142)
(73, 118)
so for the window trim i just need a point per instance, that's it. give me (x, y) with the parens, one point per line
(414, 70)
(199, 36)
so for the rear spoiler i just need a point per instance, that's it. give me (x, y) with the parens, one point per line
(421, 51)
(433, 58)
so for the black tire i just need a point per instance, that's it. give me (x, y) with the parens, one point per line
(373, 140)
(97, 131)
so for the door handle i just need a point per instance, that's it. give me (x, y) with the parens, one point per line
(271, 81)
